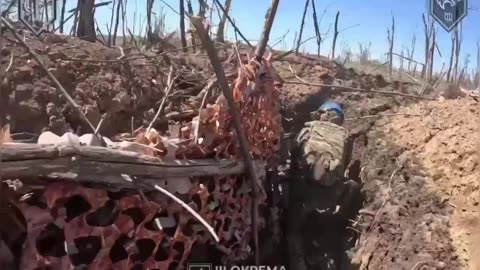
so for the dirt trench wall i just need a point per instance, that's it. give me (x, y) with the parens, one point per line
(419, 211)
(420, 175)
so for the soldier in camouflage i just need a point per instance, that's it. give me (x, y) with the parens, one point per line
(320, 196)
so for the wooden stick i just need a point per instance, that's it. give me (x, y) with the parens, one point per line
(381, 115)
(335, 36)
(168, 87)
(407, 58)
(270, 16)
(352, 89)
(232, 23)
(244, 148)
(301, 27)
(189, 209)
(26, 160)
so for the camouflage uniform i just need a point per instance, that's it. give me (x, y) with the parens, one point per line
(319, 194)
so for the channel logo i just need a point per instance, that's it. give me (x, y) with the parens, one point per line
(200, 266)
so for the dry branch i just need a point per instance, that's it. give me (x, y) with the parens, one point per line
(412, 51)
(317, 28)
(352, 89)
(410, 59)
(168, 87)
(381, 115)
(270, 16)
(117, 22)
(182, 25)
(432, 53)
(223, 20)
(32, 160)
(232, 23)
(301, 26)
(62, 16)
(335, 35)
(391, 41)
(189, 209)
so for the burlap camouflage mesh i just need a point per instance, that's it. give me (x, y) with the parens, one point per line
(322, 149)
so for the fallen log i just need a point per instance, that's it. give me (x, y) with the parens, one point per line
(32, 160)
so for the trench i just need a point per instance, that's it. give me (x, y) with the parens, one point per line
(328, 240)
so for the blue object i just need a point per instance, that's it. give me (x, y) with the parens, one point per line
(332, 106)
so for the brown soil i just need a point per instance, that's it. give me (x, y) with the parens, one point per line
(125, 93)
(421, 180)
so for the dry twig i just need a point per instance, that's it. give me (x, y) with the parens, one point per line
(381, 115)
(225, 13)
(207, 91)
(346, 88)
(189, 209)
(10, 63)
(170, 82)
(295, 74)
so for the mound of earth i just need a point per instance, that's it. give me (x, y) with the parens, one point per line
(420, 174)
(119, 84)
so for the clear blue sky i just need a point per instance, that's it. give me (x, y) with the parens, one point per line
(372, 16)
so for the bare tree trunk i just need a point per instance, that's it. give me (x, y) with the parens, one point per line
(427, 46)
(477, 74)
(110, 28)
(262, 44)
(62, 16)
(192, 28)
(86, 21)
(232, 22)
(431, 55)
(412, 51)
(202, 8)
(149, 20)
(317, 28)
(458, 47)
(299, 41)
(335, 35)
(45, 9)
(117, 22)
(236, 33)
(182, 25)
(391, 41)
(400, 72)
(452, 54)
(221, 25)
(124, 23)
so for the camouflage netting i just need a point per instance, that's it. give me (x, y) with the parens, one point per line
(71, 225)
